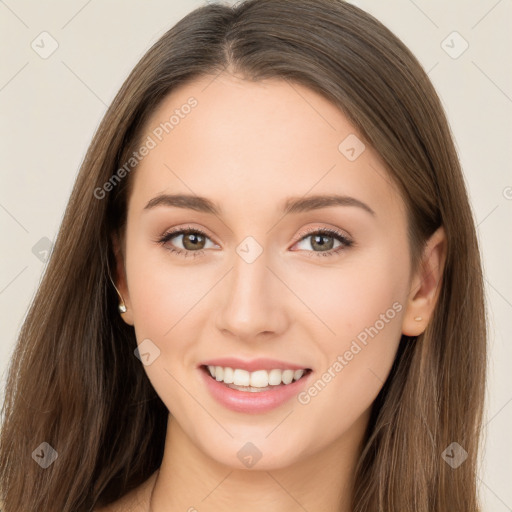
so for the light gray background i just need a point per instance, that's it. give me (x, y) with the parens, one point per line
(51, 108)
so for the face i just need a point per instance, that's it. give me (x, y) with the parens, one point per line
(320, 286)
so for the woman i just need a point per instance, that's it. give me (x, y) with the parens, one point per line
(266, 290)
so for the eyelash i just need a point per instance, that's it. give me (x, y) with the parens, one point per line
(338, 235)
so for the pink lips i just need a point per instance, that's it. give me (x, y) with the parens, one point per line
(253, 365)
(247, 401)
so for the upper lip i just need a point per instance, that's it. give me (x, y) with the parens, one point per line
(253, 364)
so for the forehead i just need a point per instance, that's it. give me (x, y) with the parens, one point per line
(244, 143)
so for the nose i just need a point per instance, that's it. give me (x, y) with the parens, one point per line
(254, 301)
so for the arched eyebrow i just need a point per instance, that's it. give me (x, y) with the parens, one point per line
(200, 204)
(304, 204)
(290, 206)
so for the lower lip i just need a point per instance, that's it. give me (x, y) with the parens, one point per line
(252, 402)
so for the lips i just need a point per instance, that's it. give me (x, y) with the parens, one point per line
(253, 365)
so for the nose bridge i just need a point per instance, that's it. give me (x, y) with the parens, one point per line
(252, 303)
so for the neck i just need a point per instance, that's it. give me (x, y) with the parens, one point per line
(191, 481)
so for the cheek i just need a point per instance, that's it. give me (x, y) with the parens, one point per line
(362, 304)
(162, 292)
(167, 309)
(351, 296)
(171, 303)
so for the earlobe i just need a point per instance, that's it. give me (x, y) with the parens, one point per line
(425, 285)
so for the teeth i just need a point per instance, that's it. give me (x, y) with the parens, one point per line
(275, 377)
(298, 374)
(287, 376)
(240, 377)
(257, 379)
(229, 375)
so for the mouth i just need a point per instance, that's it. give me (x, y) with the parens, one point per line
(257, 381)
(257, 391)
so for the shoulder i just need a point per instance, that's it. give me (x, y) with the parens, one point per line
(136, 500)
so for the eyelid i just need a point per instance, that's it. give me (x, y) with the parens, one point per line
(332, 231)
(178, 230)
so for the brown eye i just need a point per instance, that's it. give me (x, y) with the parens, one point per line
(323, 242)
(186, 241)
(193, 241)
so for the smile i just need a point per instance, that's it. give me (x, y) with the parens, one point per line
(255, 391)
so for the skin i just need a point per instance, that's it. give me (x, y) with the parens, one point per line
(247, 147)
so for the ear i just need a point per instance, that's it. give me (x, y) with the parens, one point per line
(425, 285)
(120, 281)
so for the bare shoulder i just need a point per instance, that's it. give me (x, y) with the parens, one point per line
(136, 500)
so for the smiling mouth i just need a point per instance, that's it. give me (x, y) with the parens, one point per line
(257, 381)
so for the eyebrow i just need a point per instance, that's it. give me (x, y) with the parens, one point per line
(291, 205)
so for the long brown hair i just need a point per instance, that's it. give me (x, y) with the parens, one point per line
(74, 382)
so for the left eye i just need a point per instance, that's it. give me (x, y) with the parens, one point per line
(323, 241)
